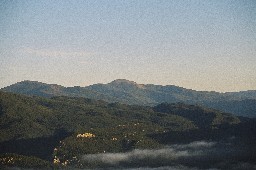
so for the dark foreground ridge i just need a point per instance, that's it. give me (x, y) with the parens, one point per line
(76, 132)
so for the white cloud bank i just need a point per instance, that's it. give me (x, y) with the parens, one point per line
(168, 153)
(192, 156)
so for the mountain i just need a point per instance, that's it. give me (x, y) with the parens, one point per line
(129, 92)
(246, 107)
(39, 117)
(36, 131)
(56, 132)
(201, 117)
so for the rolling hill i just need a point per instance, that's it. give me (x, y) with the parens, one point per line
(58, 131)
(129, 92)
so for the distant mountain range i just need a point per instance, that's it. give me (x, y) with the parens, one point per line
(128, 92)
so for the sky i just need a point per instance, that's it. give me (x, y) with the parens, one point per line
(196, 44)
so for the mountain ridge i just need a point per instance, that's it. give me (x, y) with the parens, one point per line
(122, 81)
(130, 92)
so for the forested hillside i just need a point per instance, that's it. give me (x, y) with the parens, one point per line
(129, 92)
(58, 131)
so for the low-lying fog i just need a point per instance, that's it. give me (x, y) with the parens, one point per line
(195, 155)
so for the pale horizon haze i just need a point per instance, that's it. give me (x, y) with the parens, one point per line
(200, 44)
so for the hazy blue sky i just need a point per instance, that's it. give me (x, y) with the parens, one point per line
(202, 45)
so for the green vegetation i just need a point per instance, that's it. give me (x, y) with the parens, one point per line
(60, 130)
(202, 117)
(128, 92)
(30, 117)
(122, 138)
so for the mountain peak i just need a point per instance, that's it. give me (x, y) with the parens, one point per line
(119, 81)
(125, 82)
